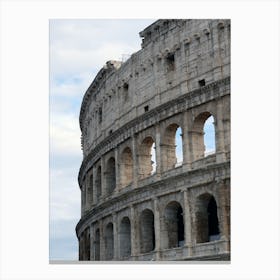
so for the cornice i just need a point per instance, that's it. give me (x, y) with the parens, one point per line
(180, 104)
(217, 171)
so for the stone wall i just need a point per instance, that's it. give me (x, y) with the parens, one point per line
(180, 210)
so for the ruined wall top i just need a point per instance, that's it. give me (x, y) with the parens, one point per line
(176, 55)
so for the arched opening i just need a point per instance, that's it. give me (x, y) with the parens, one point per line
(174, 225)
(172, 147)
(209, 136)
(147, 231)
(109, 242)
(203, 136)
(125, 238)
(147, 159)
(98, 183)
(126, 167)
(111, 175)
(207, 223)
(97, 245)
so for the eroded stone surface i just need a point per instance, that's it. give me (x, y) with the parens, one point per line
(179, 210)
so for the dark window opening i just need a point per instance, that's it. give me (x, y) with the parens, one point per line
(170, 59)
(201, 83)
(100, 115)
(146, 108)
(213, 223)
(180, 224)
(111, 131)
(125, 91)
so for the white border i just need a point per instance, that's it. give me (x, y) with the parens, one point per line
(255, 138)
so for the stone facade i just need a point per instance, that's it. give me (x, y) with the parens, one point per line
(135, 210)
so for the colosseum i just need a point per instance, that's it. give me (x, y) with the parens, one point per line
(139, 200)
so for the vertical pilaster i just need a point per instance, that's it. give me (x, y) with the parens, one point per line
(135, 161)
(91, 234)
(186, 139)
(103, 182)
(134, 232)
(224, 211)
(158, 151)
(117, 167)
(102, 241)
(94, 191)
(157, 227)
(189, 238)
(116, 237)
(219, 129)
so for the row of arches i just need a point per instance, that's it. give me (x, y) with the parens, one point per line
(172, 229)
(171, 150)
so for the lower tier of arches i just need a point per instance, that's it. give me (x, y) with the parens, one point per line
(183, 224)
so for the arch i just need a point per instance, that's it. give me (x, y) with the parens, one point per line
(125, 238)
(126, 170)
(98, 182)
(172, 147)
(109, 242)
(111, 175)
(97, 245)
(202, 135)
(147, 160)
(173, 226)
(207, 223)
(147, 231)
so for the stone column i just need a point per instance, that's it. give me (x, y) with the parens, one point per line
(94, 192)
(157, 228)
(158, 151)
(186, 139)
(117, 167)
(224, 211)
(134, 233)
(116, 237)
(135, 161)
(219, 133)
(103, 182)
(102, 241)
(189, 238)
(82, 201)
(91, 234)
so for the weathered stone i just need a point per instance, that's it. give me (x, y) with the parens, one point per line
(178, 211)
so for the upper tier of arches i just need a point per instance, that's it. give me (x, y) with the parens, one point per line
(154, 75)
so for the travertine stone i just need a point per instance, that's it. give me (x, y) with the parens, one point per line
(179, 78)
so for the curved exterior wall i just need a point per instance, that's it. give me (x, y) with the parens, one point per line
(180, 211)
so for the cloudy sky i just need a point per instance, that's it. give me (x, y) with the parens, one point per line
(78, 49)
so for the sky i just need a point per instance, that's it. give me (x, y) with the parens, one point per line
(78, 49)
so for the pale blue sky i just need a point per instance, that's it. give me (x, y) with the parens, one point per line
(78, 49)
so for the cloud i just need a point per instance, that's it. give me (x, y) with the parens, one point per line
(78, 49)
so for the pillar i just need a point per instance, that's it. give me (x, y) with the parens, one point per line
(102, 241)
(116, 237)
(188, 226)
(103, 183)
(219, 131)
(117, 167)
(135, 161)
(158, 151)
(134, 232)
(157, 228)
(186, 139)
(91, 234)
